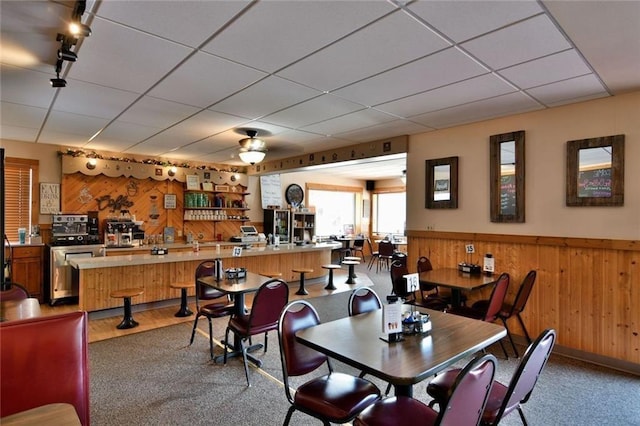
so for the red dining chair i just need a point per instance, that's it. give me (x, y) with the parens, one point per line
(210, 303)
(516, 308)
(270, 299)
(464, 406)
(493, 308)
(358, 247)
(334, 397)
(385, 254)
(504, 399)
(428, 299)
(399, 283)
(13, 291)
(363, 299)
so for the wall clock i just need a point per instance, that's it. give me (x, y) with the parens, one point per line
(294, 195)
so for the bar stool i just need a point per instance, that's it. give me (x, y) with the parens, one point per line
(184, 310)
(354, 259)
(301, 290)
(352, 274)
(127, 294)
(331, 267)
(271, 274)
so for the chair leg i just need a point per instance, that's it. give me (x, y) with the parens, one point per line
(211, 338)
(513, 345)
(506, 355)
(226, 342)
(193, 332)
(287, 419)
(244, 359)
(522, 417)
(523, 327)
(266, 340)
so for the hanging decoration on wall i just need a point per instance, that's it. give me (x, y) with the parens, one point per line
(85, 196)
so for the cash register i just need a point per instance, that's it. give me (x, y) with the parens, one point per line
(249, 234)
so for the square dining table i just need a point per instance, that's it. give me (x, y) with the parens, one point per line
(238, 288)
(457, 281)
(358, 341)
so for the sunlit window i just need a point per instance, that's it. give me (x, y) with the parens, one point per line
(389, 213)
(334, 210)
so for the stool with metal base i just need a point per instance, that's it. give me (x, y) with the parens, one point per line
(301, 290)
(184, 310)
(330, 267)
(352, 274)
(127, 294)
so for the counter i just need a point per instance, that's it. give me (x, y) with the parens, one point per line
(99, 276)
(112, 251)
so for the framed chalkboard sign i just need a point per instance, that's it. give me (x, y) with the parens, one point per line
(595, 171)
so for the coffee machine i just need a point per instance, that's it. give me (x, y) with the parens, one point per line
(118, 233)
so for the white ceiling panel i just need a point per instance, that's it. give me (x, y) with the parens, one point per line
(460, 21)
(161, 18)
(268, 95)
(191, 76)
(533, 38)
(358, 56)
(559, 66)
(204, 79)
(125, 58)
(291, 30)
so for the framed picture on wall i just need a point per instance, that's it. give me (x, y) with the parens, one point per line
(170, 201)
(193, 182)
(49, 198)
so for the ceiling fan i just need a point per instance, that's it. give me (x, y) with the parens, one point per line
(252, 149)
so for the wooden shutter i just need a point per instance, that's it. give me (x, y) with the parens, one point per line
(20, 181)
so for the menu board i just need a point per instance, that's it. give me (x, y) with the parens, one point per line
(508, 195)
(271, 191)
(594, 183)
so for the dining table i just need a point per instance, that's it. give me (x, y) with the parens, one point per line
(56, 414)
(237, 288)
(11, 310)
(457, 281)
(358, 341)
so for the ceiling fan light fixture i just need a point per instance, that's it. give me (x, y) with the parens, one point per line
(253, 150)
(252, 157)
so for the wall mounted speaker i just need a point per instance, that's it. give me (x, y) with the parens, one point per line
(371, 185)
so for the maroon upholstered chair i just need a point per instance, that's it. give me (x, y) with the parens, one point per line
(13, 291)
(503, 399)
(263, 317)
(493, 308)
(397, 271)
(210, 303)
(334, 397)
(464, 406)
(385, 254)
(363, 299)
(44, 360)
(427, 298)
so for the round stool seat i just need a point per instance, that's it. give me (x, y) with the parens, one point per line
(352, 258)
(301, 290)
(352, 273)
(271, 274)
(330, 267)
(127, 294)
(184, 310)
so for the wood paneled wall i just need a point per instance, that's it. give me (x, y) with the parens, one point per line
(586, 289)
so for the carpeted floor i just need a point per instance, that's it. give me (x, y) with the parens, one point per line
(155, 378)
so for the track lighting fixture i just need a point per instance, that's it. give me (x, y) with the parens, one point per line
(78, 29)
(58, 82)
(65, 54)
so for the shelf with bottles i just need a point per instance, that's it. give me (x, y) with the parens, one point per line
(201, 199)
(215, 214)
(303, 225)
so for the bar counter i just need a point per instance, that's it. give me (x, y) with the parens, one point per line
(99, 276)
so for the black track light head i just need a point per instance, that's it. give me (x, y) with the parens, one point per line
(58, 82)
(65, 54)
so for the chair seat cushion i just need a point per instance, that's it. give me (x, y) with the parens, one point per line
(440, 386)
(216, 310)
(337, 396)
(496, 396)
(240, 325)
(399, 410)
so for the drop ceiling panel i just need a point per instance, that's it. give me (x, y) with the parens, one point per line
(154, 112)
(512, 103)
(264, 97)
(204, 79)
(315, 110)
(23, 86)
(459, 20)
(21, 116)
(386, 130)
(293, 29)
(358, 56)
(162, 17)
(205, 147)
(125, 58)
(356, 120)
(559, 66)
(467, 91)
(72, 124)
(128, 133)
(415, 77)
(568, 90)
(94, 100)
(533, 38)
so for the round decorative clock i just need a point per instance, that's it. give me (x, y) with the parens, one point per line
(294, 195)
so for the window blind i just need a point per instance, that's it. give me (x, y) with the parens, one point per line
(20, 177)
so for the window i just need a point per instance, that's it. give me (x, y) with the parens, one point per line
(389, 213)
(335, 208)
(21, 176)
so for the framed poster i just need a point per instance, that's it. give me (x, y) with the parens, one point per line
(49, 198)
(170, 201)
(193, 182)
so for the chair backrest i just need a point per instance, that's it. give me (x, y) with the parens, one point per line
(370, 245)
(363, 299)
(523, 293)
(14, 292)
(399, 256)
(270, 299)
(44, 360)
(297, 359)
(424, 264)
(205, 292)
(469, 393)
(497, 298)
(398, 282)
(385, 248)
(526, 375)
(358, 244)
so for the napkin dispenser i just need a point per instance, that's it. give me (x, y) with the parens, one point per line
(469, 268)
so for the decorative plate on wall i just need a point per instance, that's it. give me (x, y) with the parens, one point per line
(294, 195)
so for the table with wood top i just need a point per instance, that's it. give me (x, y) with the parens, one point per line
(11, 310)
(357, 341)
(238, 288)
(457, 281)
(59, 414)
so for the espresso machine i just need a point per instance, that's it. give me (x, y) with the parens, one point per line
(118, 233)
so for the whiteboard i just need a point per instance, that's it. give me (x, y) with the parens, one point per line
(271, 190)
